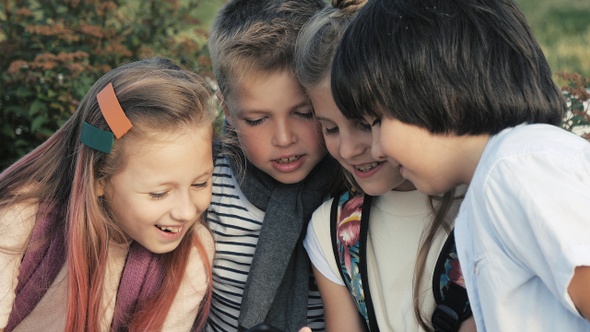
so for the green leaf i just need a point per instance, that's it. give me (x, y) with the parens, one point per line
(23, 92)
(37, 123)
(14, 109)
(8, 131)
(19, 143)
(37, 106)
(51, 94)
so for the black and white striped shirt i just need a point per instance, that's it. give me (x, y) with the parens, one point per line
(236, 224)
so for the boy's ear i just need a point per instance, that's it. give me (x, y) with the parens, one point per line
(224, 107)
(99, 188)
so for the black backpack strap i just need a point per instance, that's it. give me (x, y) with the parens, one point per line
(364, 303)
(451, 298)
(366, 214)
(333, 228)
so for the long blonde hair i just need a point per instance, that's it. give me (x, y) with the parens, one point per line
(158, 98)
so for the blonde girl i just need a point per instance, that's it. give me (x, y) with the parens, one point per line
(101, 225)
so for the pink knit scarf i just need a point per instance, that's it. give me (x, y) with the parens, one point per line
(142, 275)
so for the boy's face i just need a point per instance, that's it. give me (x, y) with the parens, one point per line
(434, 163)
(275, 126)
(350, 141)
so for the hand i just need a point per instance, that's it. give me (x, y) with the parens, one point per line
(579, 290)
(468, 325)
(305, 329)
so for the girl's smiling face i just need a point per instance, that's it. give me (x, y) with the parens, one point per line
(350, 142)
(163, 188)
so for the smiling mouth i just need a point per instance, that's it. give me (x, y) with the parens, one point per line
(169, 229)
(367, 167)
(287, 160)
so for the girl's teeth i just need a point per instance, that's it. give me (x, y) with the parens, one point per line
(169, 229)
(367, 167)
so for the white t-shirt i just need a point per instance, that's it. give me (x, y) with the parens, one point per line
(50, 312)
(396, 225)
(523, 228)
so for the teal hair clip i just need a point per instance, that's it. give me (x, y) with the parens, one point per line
(97, 138)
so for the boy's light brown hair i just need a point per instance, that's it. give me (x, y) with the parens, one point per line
(256, 35)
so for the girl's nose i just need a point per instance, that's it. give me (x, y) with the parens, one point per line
(351, 146)
(185, 209)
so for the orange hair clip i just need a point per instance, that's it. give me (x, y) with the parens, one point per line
(113, 112)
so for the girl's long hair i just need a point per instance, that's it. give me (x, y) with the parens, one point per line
(159, 99)
(443, 213)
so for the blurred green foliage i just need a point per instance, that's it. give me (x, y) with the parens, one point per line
(51, 52)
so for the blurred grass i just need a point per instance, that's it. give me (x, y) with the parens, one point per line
(562, 27)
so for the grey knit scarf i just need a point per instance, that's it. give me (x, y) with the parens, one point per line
(277, 287)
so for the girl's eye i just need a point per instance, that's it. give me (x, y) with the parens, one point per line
(158, 195)
(331, 131)
(200, 185)
(376, 122)
(363, 126)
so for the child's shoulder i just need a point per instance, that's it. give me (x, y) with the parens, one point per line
(517, 158)
(536, 136)
(222, 166)
(323, 211)
(322, 216)
(16, 223)
(222, 163)
(21, 210)
(206, 238)
(538, 141)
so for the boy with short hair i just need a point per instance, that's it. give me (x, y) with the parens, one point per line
(272, 174)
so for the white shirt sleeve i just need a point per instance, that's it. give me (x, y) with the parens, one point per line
(548, 230)
(316, 255)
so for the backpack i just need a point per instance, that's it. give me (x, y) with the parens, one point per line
(349, 225)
